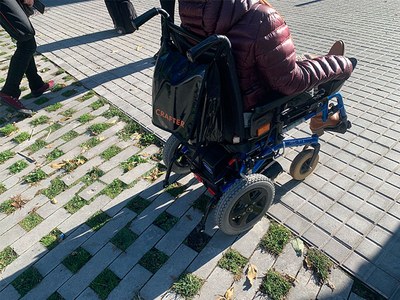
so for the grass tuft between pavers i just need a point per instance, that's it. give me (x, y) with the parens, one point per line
(275, 285)
(91, 176)
(175, 189)
(7, 256)
(76, 260)
(2, 188)
(275, 239)
(55, 296)
(110, 152)
(132, 162)
(104, 283)
(31, 221)
(187, 286)
(98, 103)
(6, 207)
(18, 166)
(201, 203)
(56, 187)
(40, 120)
(166, 221)
(197, 240)
(98, 220)
(85, 118)
(56, 153)
(8, 130)
(124, 238)
(35, 176)
(6, 155)
(87, 96)
(68, 113)
(53, 107)
(233, 261)
(52, 239)
(153, 260)
(27, 281)
(70, 135)
(36, 146)
(98, 128)
(138, 204)
(319, 263)
(75, 204)
(22, 137)
(114, 188)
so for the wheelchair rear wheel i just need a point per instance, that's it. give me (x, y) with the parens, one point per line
(301, 165)
(244, 203)
(180, 166)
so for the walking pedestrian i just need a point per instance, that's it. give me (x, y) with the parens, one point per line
(17, 24)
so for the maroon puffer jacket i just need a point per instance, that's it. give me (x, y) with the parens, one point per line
(264, 52)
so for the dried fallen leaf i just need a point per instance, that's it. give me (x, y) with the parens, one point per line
(290, 278)
(49, 146)
(229, 294)
(54, 201)
(18, 202)
(64, 119)
(298, 246)
(101, 138)
(57, 165)
(251, 273)
(330, 284)
(138, 48)
(112, 122)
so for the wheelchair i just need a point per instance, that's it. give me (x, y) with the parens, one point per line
(196, 97)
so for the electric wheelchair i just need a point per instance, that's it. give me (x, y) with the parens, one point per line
(196, 97)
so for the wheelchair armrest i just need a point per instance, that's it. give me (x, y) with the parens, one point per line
(212, 41)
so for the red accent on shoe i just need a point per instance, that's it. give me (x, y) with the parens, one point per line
(45, 87)
(15, 103)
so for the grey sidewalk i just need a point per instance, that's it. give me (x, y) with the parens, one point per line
(349, 208)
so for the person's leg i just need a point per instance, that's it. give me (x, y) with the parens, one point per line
(19, 64)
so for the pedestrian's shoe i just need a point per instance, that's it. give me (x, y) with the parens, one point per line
(337, 48)
(15, 103)
(334, 123)
(45, 87)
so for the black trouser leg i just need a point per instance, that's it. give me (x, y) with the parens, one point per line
(22, 62)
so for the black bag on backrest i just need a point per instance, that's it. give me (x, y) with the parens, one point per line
(14, 20)
(186, 98)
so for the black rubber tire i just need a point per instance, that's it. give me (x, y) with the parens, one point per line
(257, 184)
(300, 167)
(179, 166)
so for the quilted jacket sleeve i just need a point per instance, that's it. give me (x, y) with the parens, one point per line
(277, 64)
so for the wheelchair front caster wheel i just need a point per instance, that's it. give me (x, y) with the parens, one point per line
(244, 203)
(301, 165)
(180, 165)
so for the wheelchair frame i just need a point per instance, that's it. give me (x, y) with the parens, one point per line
(249, 155)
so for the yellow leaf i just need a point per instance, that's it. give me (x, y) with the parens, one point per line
(49, 146)
(64, 119)
(101, 138)
(229, 294)
(54, 201)
(57, 165)
(251, 273)
(112, 122)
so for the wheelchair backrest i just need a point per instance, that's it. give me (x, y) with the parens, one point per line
(199, 99)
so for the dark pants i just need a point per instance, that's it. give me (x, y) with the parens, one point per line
(22, 62)
(18, 26)
(169, 6)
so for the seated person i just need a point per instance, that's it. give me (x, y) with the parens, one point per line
(264, 52)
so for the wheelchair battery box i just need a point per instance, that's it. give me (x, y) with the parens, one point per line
(214, 159)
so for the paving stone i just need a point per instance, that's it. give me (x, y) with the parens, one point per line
(9, 293)
(342, 282)
(49, 208)
(216, 285)
(92, 190)
(120, 157)
(263, 262)
(386, 284)
(50, 283)
(79, 172)
(20, 264)
(125, 262)
(104, 145)
(305, 287)
(97, 240)
(88, 294)
(83, 214)
(18, 215)
(11, 236)
(288, 262)
(152, 211)
(185, 200)
(79, 281)
(248, 241)
(171, 241)
(168, 273)
(130, 284)
(109, 177)
(72, 241)
(39, 231)
(208, 258)
(136, 172)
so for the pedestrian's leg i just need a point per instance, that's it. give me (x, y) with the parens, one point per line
(18, 66)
